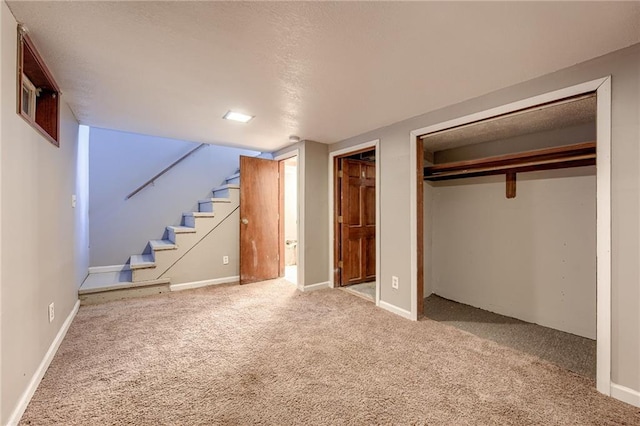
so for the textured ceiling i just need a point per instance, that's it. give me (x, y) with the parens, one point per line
(539, 119)
(321, 70)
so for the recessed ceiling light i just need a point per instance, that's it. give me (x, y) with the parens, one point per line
(237, 116)
(294, 139)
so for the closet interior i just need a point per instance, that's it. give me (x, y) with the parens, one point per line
(510, 230)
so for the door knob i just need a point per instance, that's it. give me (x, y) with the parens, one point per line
(245, 221)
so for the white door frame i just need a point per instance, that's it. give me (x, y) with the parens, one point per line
(602, 87)
(299, 220)
(339, 153)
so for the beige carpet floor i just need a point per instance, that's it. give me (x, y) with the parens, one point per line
(266, 354)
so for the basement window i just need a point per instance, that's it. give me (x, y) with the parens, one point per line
(38, 94)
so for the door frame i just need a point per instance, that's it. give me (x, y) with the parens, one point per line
(299, 219)
(366, 146)
(602, 87)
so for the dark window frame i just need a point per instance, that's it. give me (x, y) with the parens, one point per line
(45, 115)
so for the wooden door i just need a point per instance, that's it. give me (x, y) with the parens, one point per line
(357, 222)
(259, 192)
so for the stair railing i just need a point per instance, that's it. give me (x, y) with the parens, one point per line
(165, 170)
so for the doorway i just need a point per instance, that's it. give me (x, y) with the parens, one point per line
(269, 214)
(289, 219)
(354, 219)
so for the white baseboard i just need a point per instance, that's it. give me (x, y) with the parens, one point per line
(316, 286)
(625, 394)
(109, 268)
(394, 309)
(23, 402)
(198, 284)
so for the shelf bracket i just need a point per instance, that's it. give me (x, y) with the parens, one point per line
(511, 185)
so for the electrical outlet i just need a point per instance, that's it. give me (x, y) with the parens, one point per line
(52, 312)
(394, 282)
(225, 260)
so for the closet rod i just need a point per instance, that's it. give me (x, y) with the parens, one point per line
(577, 155)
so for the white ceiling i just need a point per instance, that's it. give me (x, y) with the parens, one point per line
(323, 71)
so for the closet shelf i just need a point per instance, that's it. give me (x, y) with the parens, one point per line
(577, 155)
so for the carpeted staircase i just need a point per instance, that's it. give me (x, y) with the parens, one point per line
(150, 272)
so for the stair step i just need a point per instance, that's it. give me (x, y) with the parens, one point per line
(174, 231)
(119, 285)
(214, 200)
(162, 245)
(199, 214)
(181, 229)
(233, 179)
(141, 261)
(189, 219)
(224, 190)
(105, 280)
(209, 205)
(226, 186)
(95, 292)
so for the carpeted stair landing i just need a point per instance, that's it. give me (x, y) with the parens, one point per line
(266, 354)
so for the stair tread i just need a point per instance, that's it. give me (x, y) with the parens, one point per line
(215, 200)
(102, 284)
(226, 186)
(181, 229)
(140, 261)
(162, 245)
(200, 214)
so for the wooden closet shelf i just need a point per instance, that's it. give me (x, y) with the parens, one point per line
(577, 155)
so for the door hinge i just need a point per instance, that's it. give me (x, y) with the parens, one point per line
(339, 219)
(340, 264)
(340, 173)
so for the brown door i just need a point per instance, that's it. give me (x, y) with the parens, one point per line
(357, 214)
(259, 206)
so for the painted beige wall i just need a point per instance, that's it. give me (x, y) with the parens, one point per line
(532, 257)
(624, 67)
(316, 230)
(41, 261)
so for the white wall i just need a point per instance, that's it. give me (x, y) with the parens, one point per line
(428, 238)
(120, 162)
(395, 165)
(82, 201)
(290, 210)
(43, 254)
(532, 257)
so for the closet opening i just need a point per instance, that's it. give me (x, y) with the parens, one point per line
(509, 229)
